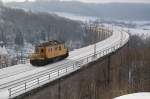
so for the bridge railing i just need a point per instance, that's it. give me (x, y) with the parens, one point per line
(51, 74)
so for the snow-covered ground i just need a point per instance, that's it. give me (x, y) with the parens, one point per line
(134, 31)
(141, 28)
(142, 95)
(140, 32)
(15, 51)
(76, 17)
(138, 24)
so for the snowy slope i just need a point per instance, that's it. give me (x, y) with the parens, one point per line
(135, 31)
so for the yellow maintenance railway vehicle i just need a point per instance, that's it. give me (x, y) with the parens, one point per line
(48, 52)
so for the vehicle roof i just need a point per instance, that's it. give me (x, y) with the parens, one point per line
(49, 43)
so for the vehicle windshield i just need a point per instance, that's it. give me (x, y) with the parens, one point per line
(36, 49)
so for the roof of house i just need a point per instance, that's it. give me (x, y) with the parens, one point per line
(3, 50)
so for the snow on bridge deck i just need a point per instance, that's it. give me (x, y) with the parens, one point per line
(25, 77)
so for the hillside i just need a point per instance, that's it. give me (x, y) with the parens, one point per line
(19, 26)
(122, 11)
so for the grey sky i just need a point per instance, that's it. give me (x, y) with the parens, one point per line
(108, 1)
(95, 1)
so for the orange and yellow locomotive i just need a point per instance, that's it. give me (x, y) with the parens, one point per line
(48, 52)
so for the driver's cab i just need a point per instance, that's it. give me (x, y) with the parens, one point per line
(39, 53)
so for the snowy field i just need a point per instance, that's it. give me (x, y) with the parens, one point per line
(76, 17)
(134, 31)
(142, 28)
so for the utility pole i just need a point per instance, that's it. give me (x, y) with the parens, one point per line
(95, 47)
(121, 36)
(112, 28)
(95, 27)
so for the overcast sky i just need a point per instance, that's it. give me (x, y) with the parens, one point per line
(95, 1)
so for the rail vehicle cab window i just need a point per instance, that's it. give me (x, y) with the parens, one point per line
(42, 50)
(60, 48)
(64, 46)
(56, 48)
(50, 49)
(36, 50)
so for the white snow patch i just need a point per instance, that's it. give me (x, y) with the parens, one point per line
(4, 94)
(3, 51)
(76, 17)
(142, 95)
(140, 32)
(134, 31)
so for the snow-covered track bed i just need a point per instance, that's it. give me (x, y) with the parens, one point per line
(28, 77)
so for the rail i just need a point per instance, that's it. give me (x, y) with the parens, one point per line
(51, 74)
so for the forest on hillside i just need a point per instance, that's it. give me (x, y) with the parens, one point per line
(120, 11)
(19, 25)
(21, 30)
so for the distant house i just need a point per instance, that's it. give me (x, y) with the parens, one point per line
(4, 60)
(3, 50)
